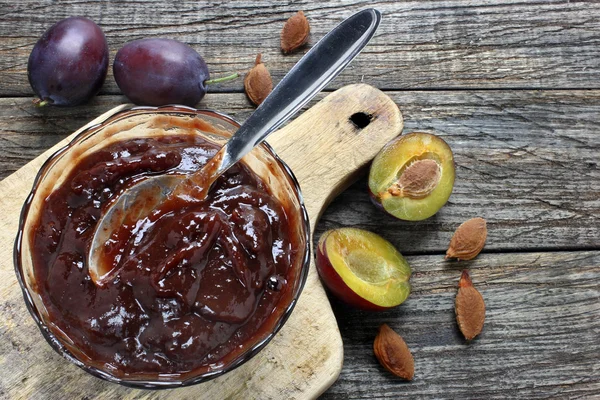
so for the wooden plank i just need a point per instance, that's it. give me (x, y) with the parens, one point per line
(527, 161)
(540, 338)
(432, 44)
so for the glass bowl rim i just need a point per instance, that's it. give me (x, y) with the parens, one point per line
(57, 345)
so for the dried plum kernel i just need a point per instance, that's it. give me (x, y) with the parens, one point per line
(258, 83)
(412, 177)
(295, 33)
(276, 283)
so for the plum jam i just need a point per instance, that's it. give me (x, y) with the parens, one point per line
(191, 290)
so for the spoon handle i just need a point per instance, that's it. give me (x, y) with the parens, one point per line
(312, 73)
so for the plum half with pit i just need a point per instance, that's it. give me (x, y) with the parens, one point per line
(413, 176)
(362, 269)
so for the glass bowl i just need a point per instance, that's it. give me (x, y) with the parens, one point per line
(139, 122)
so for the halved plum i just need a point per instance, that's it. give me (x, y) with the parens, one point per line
(412, 176)
(363, 269)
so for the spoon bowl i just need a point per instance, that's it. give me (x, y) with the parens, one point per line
(133, 206)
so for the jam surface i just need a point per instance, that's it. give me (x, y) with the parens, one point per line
(191, 289)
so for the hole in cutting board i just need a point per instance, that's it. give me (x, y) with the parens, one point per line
(360, 119)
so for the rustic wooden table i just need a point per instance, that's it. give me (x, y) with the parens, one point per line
(512, 85)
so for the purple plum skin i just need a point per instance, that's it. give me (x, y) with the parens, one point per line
(68, 65)
(157, 72)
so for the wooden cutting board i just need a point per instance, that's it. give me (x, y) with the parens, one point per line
(325, 149)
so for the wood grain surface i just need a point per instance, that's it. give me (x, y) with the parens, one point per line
(540, 338)
(420, 44)
(511, 85)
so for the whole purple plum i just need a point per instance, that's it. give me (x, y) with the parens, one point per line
(156, 72)
(68, 65)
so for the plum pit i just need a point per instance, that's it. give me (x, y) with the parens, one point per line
(418, 180)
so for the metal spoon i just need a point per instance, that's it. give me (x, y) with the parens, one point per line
(312, 73)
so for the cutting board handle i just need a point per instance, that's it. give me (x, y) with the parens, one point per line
(337, 137)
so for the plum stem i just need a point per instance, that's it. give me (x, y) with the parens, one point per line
(40, 102)
(223, 79)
